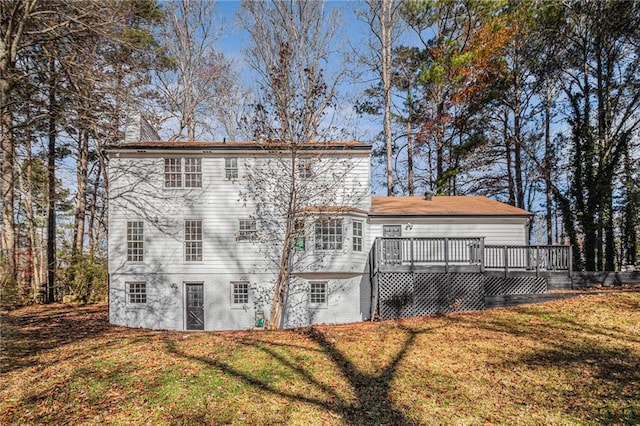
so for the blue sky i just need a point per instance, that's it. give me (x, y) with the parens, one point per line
(355, 33)
(234, 39)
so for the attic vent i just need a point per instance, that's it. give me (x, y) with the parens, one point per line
(428, 195)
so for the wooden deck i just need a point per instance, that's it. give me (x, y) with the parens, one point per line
(465, 255)
(432, 276)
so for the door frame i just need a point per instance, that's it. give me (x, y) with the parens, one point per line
(185, 309)
(392, 250)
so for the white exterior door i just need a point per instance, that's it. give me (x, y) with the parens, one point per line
(392, 249)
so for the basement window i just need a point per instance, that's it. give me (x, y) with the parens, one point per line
(318, 293)
(239, 294)
(136, 293)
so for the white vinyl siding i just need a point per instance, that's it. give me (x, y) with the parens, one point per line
(138, 191)
(494, 230)
(136, 186)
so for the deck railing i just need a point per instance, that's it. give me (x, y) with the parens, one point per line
(544, 258)
(423, 251)
(412, 252)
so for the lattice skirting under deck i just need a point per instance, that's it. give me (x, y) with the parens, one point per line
(406, 294)
(498, 286)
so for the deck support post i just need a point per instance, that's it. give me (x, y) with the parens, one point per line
(505, 257)
(482, 254)
(570, 260)
(411, 252)
(446, 254)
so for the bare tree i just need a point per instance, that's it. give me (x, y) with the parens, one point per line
(59, 61)
(197, 73)
(292, 43)
(384, 20)
(16, 20)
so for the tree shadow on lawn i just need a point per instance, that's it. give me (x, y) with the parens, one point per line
(613, 379)
(609, 395)
(30, 331)
(372, 403)
(80, 398)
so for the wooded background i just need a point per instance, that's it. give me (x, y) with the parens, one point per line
(534, 103)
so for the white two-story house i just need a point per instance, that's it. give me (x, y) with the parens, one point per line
(195, 232)
(194, 237)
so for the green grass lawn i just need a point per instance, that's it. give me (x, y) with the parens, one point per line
(575, 361)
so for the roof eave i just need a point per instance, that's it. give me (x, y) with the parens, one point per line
(461, 215)
(231, 146)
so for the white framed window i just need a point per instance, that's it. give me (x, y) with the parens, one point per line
(193, 173)
(173, 173)
(239, 293)
(328, 234)
(135, 241)
(183, 172)
(136, 293)
(305, 170)
(299, 243)
(357, 235)
(247, 229)
(231, 168)
(318, 293)
(193, 240)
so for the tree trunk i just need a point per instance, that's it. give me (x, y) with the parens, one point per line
(585, 190)
(51, 167)
(410, 177)
(609, 238)
(81, 192)
(507, 153)
(26, 180)
(547, 162)
(93, 208)
(386, 30)
(440, 132)
(517, 151)
(8, 256)
(15, 17)
(282, 281)
(630, 241)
